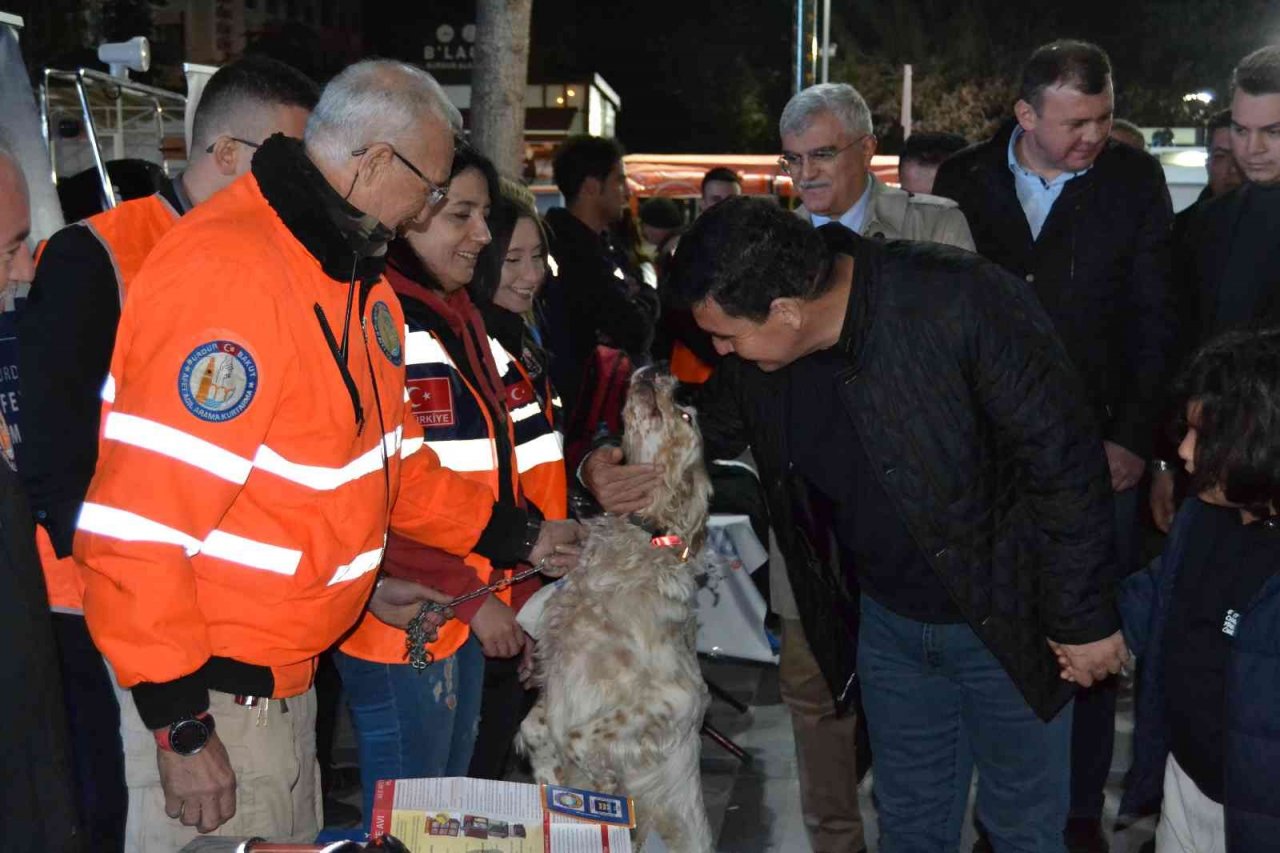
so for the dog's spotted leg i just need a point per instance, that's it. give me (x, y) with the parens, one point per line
(534, 740)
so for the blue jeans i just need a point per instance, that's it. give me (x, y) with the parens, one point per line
(412, 724)
(937, 703)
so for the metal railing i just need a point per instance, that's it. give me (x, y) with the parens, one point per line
(81, 78)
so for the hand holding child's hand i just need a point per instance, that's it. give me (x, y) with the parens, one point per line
(1085, 664)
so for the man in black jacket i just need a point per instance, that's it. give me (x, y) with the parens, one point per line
(909, 405)
(1223, 176)
(592, 300)
(1085, 222)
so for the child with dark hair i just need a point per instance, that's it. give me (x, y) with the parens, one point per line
(1204, 620)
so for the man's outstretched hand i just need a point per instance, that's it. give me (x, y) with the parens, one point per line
(619, 488)
(1091, 662)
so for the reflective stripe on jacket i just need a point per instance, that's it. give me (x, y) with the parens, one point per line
(459, 428)
(536, 413)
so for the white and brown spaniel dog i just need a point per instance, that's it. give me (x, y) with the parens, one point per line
(622, 696)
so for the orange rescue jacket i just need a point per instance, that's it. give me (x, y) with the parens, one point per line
(240, 506)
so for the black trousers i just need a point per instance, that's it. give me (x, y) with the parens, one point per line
(97, 753)
(502, 708)
(1094, 726)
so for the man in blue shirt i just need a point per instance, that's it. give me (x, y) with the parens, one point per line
(1085, 222)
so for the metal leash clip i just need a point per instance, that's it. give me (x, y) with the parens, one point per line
(418, 635)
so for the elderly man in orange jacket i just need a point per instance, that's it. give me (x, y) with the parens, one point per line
(257, 449)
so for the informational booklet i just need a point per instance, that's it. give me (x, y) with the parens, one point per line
(459, 815)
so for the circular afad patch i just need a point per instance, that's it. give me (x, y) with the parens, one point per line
(218, 381)
(384, 329)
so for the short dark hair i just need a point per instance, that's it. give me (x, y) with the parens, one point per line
(581, 157)
(1258, 73)
(1081, 65)
(1220, 120)
(720, 173)
(931, 149)
(1235, 381)
(746, 252)
(255, 80)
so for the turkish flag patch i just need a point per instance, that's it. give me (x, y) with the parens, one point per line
(519, 394)
(432, 401)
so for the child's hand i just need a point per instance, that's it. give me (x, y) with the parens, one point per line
(1085, 664)
(1064, 663)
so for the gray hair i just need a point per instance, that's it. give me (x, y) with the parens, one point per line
(839, 99)
(376, 100)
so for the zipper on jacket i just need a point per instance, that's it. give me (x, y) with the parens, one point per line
(347, 379)
(377, 402)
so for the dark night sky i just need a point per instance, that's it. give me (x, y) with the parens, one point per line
(712, 75)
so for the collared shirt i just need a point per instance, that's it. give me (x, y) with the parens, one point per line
(1035, 194)
(854, 218)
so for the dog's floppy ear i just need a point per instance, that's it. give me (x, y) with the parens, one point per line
(680, 507)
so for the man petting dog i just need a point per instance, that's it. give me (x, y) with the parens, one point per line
(934, 480)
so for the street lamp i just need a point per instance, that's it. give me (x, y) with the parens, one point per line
(1204, 97)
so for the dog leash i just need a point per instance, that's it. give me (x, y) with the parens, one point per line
(418, 635)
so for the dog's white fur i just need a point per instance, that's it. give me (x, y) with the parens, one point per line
(622, 696)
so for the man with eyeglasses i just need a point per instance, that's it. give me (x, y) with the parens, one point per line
(827, 146)
(65, 336)
(258, 448)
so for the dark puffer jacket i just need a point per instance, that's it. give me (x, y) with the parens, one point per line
(971, 412)
(1251, 745)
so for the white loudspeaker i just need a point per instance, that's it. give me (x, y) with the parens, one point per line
(125, 56)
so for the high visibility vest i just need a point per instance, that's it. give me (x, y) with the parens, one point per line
(536, 412)
(127, 233)
(458, 426)
(247, 474)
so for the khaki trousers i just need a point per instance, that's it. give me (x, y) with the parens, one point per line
(826, 749)
(273, 753)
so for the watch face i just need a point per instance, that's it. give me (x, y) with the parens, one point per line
(187, 737)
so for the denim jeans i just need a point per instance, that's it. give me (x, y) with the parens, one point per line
(937, 703)
(412, 724)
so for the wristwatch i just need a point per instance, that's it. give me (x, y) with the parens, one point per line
(187, 736)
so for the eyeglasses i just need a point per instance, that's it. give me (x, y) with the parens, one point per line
(790, 163)
(253, 145)
(435, 192)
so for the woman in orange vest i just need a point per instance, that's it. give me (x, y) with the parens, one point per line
(508, 299)
(410, 723)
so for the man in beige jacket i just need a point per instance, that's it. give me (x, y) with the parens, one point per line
(827, 145)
